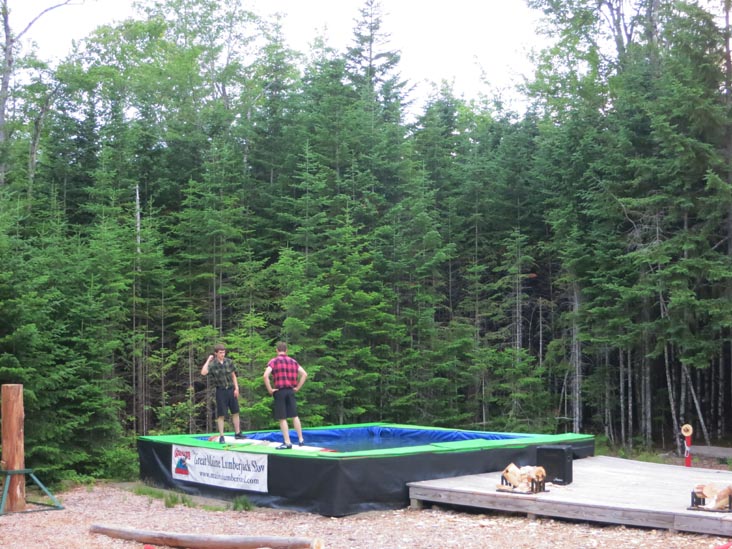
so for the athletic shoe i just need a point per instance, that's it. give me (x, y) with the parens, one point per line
(284, 446)
(222, 439)
(239, 436)
(301, 443)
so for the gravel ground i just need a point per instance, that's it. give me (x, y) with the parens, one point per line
(114, 505)
(118, 505)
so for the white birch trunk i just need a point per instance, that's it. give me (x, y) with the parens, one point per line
(576, 362)
(621, 386)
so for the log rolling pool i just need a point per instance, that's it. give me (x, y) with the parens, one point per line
(341, 470)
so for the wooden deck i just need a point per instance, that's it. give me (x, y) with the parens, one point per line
(604, 489)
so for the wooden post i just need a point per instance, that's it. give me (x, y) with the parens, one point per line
(13, 436)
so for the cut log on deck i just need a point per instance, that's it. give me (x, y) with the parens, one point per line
(718, 452)
(205, 541)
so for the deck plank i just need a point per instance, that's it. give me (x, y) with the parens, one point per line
(604, 489)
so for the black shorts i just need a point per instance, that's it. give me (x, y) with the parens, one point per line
(225, 400)
(285, 404)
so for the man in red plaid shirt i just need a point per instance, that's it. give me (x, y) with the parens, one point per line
(289, 377)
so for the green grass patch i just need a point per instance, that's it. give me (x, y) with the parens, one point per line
(148, 491)
(216, 508)
(242, 503)
(647, 456)
(172, 499)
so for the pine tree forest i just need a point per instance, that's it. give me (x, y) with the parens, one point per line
(183, 179)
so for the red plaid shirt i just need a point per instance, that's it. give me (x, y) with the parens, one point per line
(284, 371)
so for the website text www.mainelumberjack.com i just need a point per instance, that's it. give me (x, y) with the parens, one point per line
(229, 478)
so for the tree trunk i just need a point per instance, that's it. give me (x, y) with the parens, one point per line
(6, 74)
(728, 162)
(608, 417)
(36, 137)
(136, 406)
(677, 421)
(630, 402)
(647, 400)
(7, 71)
(720, 393)
(671, 400)
(541, 334)
(518, 304)
(621, 391)
(576, 362)
(700, 415)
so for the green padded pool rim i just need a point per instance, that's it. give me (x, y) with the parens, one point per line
(518, 440)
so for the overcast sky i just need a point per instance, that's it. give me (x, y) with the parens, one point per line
(455, 40)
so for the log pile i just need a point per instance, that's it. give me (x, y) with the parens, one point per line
(522, 479)
(715, 497)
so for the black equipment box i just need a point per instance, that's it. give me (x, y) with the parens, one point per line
(557, 461)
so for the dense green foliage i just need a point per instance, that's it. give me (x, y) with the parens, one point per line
(192, 180)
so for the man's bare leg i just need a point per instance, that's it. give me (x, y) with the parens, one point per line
(285, 431)
(298, 427)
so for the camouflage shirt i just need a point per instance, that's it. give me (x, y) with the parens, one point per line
(221, 373)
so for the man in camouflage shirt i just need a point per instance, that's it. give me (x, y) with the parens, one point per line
(223, 377)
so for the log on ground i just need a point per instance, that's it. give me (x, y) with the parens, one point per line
(205, 541)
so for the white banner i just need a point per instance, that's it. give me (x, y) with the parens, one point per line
(220, 468)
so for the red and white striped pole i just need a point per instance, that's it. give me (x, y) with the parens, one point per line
(687, 430)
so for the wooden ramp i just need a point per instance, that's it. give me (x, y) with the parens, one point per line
(604, 489)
